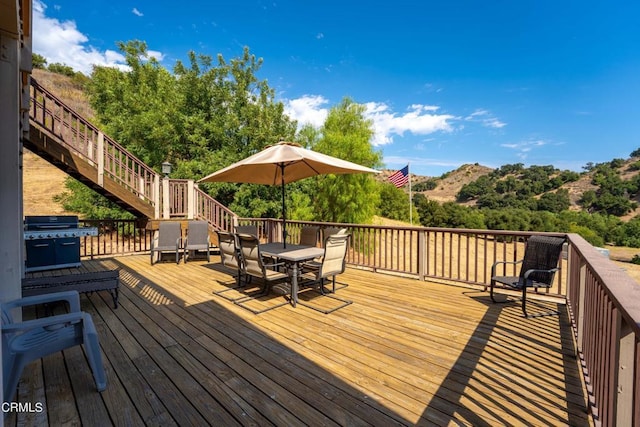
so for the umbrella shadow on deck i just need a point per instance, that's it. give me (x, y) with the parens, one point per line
(525, 370)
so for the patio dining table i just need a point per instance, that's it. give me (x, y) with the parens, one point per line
(293, 255)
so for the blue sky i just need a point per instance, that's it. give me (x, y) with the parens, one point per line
(445, 83)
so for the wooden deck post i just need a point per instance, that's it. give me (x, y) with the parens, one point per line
(422, 254)
(100, 154)
(156, 196)
(626, 374)
(166, 203)
(191, 198)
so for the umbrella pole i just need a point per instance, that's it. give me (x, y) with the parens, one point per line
(284, 210)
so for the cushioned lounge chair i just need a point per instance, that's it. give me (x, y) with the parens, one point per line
(539, 265)
(24, 342)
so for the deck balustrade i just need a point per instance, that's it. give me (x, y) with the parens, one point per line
(603, 301)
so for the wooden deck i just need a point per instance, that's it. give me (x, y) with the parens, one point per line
(404, 353)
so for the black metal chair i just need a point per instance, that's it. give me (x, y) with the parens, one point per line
(539, 265)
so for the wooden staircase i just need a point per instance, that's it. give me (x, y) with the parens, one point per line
(68, 141)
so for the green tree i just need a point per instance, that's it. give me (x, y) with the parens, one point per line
(353, 198)
(63, 69)
(139, 107)
(205, 115)
(38, 61)
(432, 214)
(429, 184)
(82, 199)
(554, 202)
(394, 204)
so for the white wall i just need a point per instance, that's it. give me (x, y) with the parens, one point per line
(15, 49)
(10, 171)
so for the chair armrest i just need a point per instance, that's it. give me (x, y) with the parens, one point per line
(44, 322)
(89, 327)
(533, 270)
(275, 264)
(495, 264)
(71, 297)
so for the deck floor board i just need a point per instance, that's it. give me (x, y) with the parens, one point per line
(404, 353)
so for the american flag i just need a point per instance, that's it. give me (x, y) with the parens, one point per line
(401, 177)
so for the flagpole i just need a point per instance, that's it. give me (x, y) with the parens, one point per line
(409, 176)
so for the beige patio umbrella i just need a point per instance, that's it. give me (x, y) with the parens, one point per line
(283, 163)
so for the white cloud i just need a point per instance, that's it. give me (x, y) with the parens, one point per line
(418, 120)
(486, 119)
(62, 42)
(524, 147)
(155, 54)
(307, 110)
(136, 12)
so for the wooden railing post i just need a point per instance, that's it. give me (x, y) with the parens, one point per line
(626, 375)
(422, 254)
(582, 283)
(191, 198)
(141, 187)
(100, 154)
(156, 195)
(166, 199)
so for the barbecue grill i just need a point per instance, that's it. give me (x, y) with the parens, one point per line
(53, 241)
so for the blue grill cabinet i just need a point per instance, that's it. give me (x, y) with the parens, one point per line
(51, 243)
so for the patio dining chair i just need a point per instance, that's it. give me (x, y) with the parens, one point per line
(197, 239)
(539, 265)
(247, 229)
(330, 231)
(231, 259)
(332, 263)
(167, 239)
(24, 342)
(256, 266)
(309, 236)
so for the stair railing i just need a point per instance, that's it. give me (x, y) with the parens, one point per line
(88, 142)
(170, 198)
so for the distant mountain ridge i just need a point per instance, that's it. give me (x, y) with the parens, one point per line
(447, 187)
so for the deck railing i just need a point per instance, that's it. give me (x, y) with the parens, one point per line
(115, 237)
(603, 301)
(209, 209)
